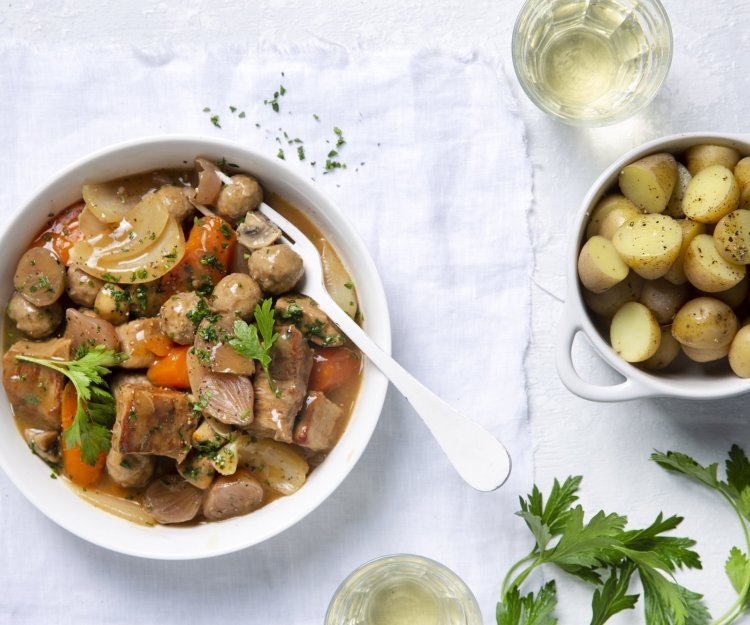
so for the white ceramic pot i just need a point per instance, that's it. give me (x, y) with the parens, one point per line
(687, 380)
(59, 502)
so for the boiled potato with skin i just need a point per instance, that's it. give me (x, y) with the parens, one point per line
(705, 355)
(663, 298)
(699, 157)
(705, 323)
(634, 333)
(649, 182)
(690, 229)
(668, 350)
(733, 297)
(599, 265)
(674, 206)
(649, 244)
(739, 353)
(744, 203)
(609, 214)
(712, 193)
(742, 173)
(608, 303)
(732, 237)
(707, 270)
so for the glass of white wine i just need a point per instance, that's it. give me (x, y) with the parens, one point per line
(403, 590)
(592, 62)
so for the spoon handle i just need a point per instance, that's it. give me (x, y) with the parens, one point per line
(480, 459)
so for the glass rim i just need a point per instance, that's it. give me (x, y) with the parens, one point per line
(624, 113)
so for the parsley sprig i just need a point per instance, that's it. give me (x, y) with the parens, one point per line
(736, 492)
(247, 342)
(95, 411)
(603, 553)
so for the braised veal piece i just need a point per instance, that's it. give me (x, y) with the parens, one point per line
(157, 352)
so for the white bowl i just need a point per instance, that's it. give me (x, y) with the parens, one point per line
(687, 380)
(59, 502)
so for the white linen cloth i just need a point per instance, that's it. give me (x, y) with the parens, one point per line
(442, 201)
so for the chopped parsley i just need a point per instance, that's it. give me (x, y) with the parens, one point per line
(210, 260)
(201, 312)
(215, 121)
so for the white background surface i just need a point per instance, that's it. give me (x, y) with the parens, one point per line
(706, 90)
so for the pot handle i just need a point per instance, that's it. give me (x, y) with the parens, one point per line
(624, 391)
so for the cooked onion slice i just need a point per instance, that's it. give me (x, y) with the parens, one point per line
(172, 500)
(274, 463)
(209, 183)
(128, 509)
(338, 281)
(111, 201)
(228, 398)
(225, 460)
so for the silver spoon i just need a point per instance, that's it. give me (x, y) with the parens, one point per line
(480, 459)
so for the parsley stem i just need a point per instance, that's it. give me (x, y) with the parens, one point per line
(527, 571)
(506, 582)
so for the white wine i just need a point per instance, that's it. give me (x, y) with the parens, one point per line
(405, 602)
(583, 59)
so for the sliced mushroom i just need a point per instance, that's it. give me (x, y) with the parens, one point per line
(257, 231)
(198, 470)
(228, 398)
(209, 183)
(172, 500)
(44, 443)
(40, 276)
(129, 470)
(233, 495)
(213, 349)
(87, 329)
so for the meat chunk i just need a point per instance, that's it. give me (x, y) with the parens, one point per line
(291, 362)
(232, 495)
(319, 425)
(152, 420)
(34, 391)
(304, 312)
(214, 351)
(87, 330)
(131, 470)
(277, 268)
(135, 338)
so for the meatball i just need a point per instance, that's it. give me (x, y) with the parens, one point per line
(240, 197)
(174, 318)
(112, 304)
(36, 322)
(236, 294)
(277, 268)
(175, 201)
(82, 288)
(147, 299)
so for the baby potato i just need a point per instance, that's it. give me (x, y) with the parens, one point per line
(744, 199)
(712, 193)
(649, 244)
(599, 266)
(739, 353)
(732, 237)
(663, 298)
(609, 214)
(112, 304)
(608, 303)
(705, 355)
(668, 350)
(699, 157)
(690, 229)
(706, 269)
(705, 323)
(733, 297)
(742, 173)
(634, 333)
(649, 182)
(674, 206)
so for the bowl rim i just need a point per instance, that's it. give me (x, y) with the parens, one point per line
(376, 322)
(576, 318)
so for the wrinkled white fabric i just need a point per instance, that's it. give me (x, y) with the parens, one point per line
(439, 185)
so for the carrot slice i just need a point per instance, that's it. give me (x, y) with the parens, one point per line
(332, 368)
(61, 232)
(77, 470)
(172, 369)
(158, 344)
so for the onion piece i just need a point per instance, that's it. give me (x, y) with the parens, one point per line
(128, 509)
(209, 183)
(151, 264)
(274, 463)
(172, 500)
(92, 227)
(110, 201)
(338, 281)
(228, 398)
(225, 460)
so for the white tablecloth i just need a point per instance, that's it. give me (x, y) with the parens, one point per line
(442, 201)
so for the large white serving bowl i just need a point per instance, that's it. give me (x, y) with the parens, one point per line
(687, 379)
(54, 497)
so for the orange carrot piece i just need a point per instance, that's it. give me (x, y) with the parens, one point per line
(61, 232)
(332, 368)
(158, 344)
(77, 470)
(172, 370)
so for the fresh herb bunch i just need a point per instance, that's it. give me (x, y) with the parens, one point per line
(95, 411)
(603, 553)
(736, 492)
(247, 342)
